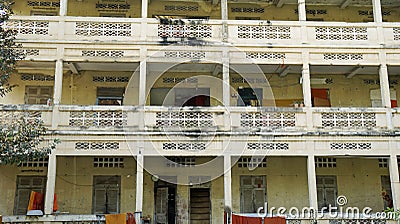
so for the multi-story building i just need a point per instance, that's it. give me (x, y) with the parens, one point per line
(179, 110)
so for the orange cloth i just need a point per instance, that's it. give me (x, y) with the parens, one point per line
(55, 205)
(130, 218)
(36, 201)
(275, 220)
(237, 219)
(116, 218)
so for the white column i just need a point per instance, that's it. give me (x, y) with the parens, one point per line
(145, 5)
(302, 10)
(51, 183)
(227, 181)
(306, 84)
(63, 7)
(226, 95)
(139, 183)
(142, 82)
(58, 78)
(377, 8)
(224, 9)
(394, 180)
(384, 85)
(312, 183)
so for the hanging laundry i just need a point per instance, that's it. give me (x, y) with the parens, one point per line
(116, 218)
(237, 219)
(275, 220)
(130, 218)
(55, 205)
(36, 201)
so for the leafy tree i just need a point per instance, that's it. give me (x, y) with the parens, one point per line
(21, 133)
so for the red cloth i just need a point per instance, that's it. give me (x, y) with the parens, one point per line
(274, 220)
(36, 201)
(237, 219)
(55, 205)
(130, 218)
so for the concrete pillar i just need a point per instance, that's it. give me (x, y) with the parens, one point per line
(58, 78)
(142, 83)
(306, 83)
(377, 8)
(226, 95)
(224, 9)
(384, 84)
(51, 183)
(302, 10)
(145, 5)
(312, 183)
(227, 181)
(394, 180)
(63, 7)
(139, 184)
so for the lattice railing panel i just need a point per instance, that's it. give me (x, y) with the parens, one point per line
(273, 119)
(268, 146)
(341, 33)
(185, 54)
(95, 29)
(355, 120)
(184, 31)
(9, 117)
(396, 33)
(184, 119)
(264, 32)
(103, 53)
(97, 119)
(343, 56)
(184, 146)
(350, 146)
(357, 221)
(29, 27)
(94, 146)
(265, 55)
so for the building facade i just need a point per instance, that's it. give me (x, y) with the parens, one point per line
(181, 110)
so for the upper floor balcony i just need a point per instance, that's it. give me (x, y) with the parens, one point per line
(241, 23)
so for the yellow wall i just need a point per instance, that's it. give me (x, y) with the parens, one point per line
(359, 180)
(157, 8)
(286, 184)
(271, 12)
(88, 8)
(74, 184)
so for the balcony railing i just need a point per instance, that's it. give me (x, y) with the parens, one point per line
(211, 31)
(165, 119)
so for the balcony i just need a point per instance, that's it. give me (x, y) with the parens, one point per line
(209, 32)
(87, 119)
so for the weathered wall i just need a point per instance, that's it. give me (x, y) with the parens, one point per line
(205, 9)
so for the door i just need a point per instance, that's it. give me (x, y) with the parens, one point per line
(320, 98)
(253, 193)
(192, 97)
(387, 189)
(165, 203)
(250, 97)
(326, 192)
(200, 206)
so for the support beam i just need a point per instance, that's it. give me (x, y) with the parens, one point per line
(354, 72)
(142, 82)
(224, 9)
(284, 71)
(394, 181)
(63, 7)
(225, 80)
(377, 8)
(227, 181)
(384, 85)
(345, 3)
(280, 3)
(312, 183)
(58, 78)
(145, 5)
(302, 10)
(139, 183)
(73, 68)
(306, 84)
(51, 183)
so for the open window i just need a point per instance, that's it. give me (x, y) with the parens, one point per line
(106, 194)
(38, 94)
(110, 96)
(26, 184)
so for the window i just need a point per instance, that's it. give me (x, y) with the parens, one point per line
(387, 189)
(252, 193)
(326, 191)
(106, 194)
(110, 96)
(26, 184)
(38, 94)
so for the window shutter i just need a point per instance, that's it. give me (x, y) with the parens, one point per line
(100, 201)
(113, 200)
(259, 198)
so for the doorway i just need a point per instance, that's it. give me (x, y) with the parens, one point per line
(320, 98)
(165, 203)
(250, 97)
(200, 206)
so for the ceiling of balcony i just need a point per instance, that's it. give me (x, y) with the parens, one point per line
(385, 3)
(29, 66)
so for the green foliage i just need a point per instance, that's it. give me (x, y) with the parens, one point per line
(21, 136)
(21, 139)
(9, 50)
